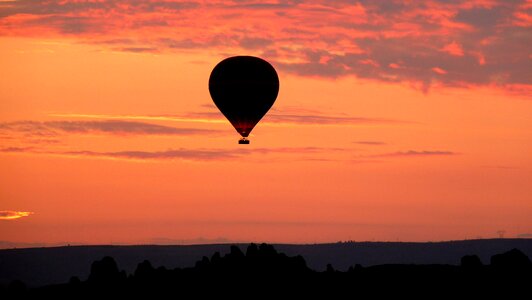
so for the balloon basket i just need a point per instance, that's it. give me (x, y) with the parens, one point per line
(243, 141)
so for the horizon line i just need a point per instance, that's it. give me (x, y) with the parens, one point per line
(229, 243)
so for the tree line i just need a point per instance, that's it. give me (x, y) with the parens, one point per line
(261, 271)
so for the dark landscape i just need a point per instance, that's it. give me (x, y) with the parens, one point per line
(472, 265)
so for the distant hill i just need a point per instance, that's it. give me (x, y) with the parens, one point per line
(42, 266)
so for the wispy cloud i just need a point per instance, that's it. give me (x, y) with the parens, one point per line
(525, 235)
(370, 143)
(16, 149)
(500, 167)
(275, 117)
(181, 154)
(12, 245)
(324, 120)
(473, 42)
(200, 154)
(137, 49)
(189, 118)
(415, 153)
(12, 215)
(115, 127)
(194, 241)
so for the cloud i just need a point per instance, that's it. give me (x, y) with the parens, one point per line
(414, 153)
(276, 116)
(525, 236)
(199, 154)
(439, 71)
(296, 150)
(302, 117)
(307, 119)
(501, 167)
(12, 245)
(453, 49)
(324, 119)
(115, 127)
(179, 154)
(182, 153)
(194, 241)
(16, 149)
(192, 117)
(254, 43)
(12, 215)
(370, 143)
(474, 42)
(137, 49)
(40, 7)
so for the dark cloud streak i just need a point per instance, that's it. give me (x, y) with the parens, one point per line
(305, 118)
(320, 119)
(370, 143)
(16, 149)
(415, 153)
(182, 153)
(116, 127)
(200, 154)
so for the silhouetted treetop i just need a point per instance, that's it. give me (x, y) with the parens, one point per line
(105, 271)
(513, 259)
(258, 260)
(471, 262)
(144, 270)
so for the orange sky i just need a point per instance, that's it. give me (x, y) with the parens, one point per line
(395, 120)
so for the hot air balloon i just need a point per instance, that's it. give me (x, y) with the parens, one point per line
(244, 88)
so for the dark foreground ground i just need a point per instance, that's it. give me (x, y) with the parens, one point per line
(260, 271)
(53, 265)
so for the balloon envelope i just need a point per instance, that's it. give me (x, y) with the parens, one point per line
(244, 88)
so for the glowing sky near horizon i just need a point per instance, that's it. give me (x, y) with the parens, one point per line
(396, 120)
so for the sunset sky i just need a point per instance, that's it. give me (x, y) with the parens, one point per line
(395, 121)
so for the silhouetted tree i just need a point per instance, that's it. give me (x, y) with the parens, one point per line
(203, 263)
(330, 269)
(74, 280)
(106, 272)
(513, 259)
(252, 250)
(236, 252)
(470, 262)
(266, 250)
(216, 258)
(356, 268)
(235, 260)
(144, 270)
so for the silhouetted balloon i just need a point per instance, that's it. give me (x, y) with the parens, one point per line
(244, 88)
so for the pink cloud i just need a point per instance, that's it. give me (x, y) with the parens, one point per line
(439, 71)
(523, 19)
(307, 38)
(453, 49)
(394, 66)
(481, 58)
